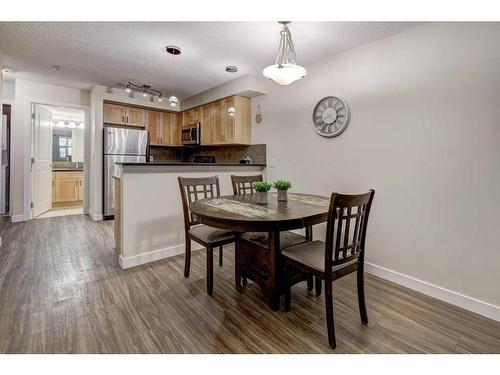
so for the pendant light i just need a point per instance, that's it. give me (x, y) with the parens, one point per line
(285, 71)
(173, 50)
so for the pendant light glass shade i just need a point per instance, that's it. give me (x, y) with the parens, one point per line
(173, 100)
(285, 71)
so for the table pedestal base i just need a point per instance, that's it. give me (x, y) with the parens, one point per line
(258, 258)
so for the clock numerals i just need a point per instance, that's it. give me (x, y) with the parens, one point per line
(320, 124)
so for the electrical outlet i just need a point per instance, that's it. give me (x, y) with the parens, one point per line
(272, 163)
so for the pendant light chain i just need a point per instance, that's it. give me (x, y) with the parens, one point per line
(285, 71)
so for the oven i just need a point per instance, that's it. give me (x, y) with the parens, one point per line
(191, 134)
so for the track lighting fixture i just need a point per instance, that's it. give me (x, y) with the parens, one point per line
(145, 89)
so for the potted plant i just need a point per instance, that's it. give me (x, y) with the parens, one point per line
(261, 189)
(282, 186)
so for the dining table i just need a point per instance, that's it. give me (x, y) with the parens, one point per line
(241, 214)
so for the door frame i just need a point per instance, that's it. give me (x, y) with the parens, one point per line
(28, 177)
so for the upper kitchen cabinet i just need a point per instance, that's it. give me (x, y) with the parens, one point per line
(207, 121)
(163, 128)
(114, 114)
(170, 129)
(135, 116)
(124, 115)
(226, 121)
(153, 125)
(191, 116)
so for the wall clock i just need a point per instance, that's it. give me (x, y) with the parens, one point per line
(331, 116)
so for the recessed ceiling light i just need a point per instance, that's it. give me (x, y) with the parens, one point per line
(173, 50)
(231, 69)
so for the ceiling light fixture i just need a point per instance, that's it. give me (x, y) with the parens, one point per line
(174, 51)
(145, 89)
(285, 71)
(231, 69)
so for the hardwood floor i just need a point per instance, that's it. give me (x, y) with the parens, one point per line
(61, 291)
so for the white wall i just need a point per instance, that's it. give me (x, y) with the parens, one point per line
(247, 85)
(26, 93)
(77, 137)
(8, 91)
(424, 133)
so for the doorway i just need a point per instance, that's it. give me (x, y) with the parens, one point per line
(58, 144)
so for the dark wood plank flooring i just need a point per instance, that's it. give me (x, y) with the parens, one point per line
(61, 291)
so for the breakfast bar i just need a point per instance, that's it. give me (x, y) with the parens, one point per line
(148, 210)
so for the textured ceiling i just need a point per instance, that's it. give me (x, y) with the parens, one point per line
(110, 53)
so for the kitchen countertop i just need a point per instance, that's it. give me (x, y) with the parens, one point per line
(174, 163)
(67, 169)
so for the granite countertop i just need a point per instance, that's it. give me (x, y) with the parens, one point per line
(176, 163)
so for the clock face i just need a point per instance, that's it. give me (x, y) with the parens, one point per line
(331, 116)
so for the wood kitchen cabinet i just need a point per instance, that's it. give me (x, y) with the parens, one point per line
(191, 116)
(226, 121)
(124, 115)
(153, 125)
(163, 128)
(171, 129)
(114, 114)
(207, 120)
(67, 188)
(135, 116)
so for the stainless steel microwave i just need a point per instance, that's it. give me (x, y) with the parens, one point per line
(191, 134)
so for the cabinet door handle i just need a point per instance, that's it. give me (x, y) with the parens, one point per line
(123, 118)
(127, 119)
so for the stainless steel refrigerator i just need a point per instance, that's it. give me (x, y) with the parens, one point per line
(121, 145)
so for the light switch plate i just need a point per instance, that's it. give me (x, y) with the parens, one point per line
(272, 163)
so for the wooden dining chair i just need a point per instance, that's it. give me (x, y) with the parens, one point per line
(193, 189)
(243, 185)
(342, 253)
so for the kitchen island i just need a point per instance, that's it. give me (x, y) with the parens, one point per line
(149, 222)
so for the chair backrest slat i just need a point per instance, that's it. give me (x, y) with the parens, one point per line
(193, 189)
(243, 185)
(342, 245)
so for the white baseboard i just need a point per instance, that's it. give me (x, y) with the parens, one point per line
(17, 218)
(95, 217)
(152, 256)
(468, 303)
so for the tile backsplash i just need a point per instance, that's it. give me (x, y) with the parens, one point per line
(222, 154)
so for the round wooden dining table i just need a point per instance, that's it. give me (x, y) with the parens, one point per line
(241, 214)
